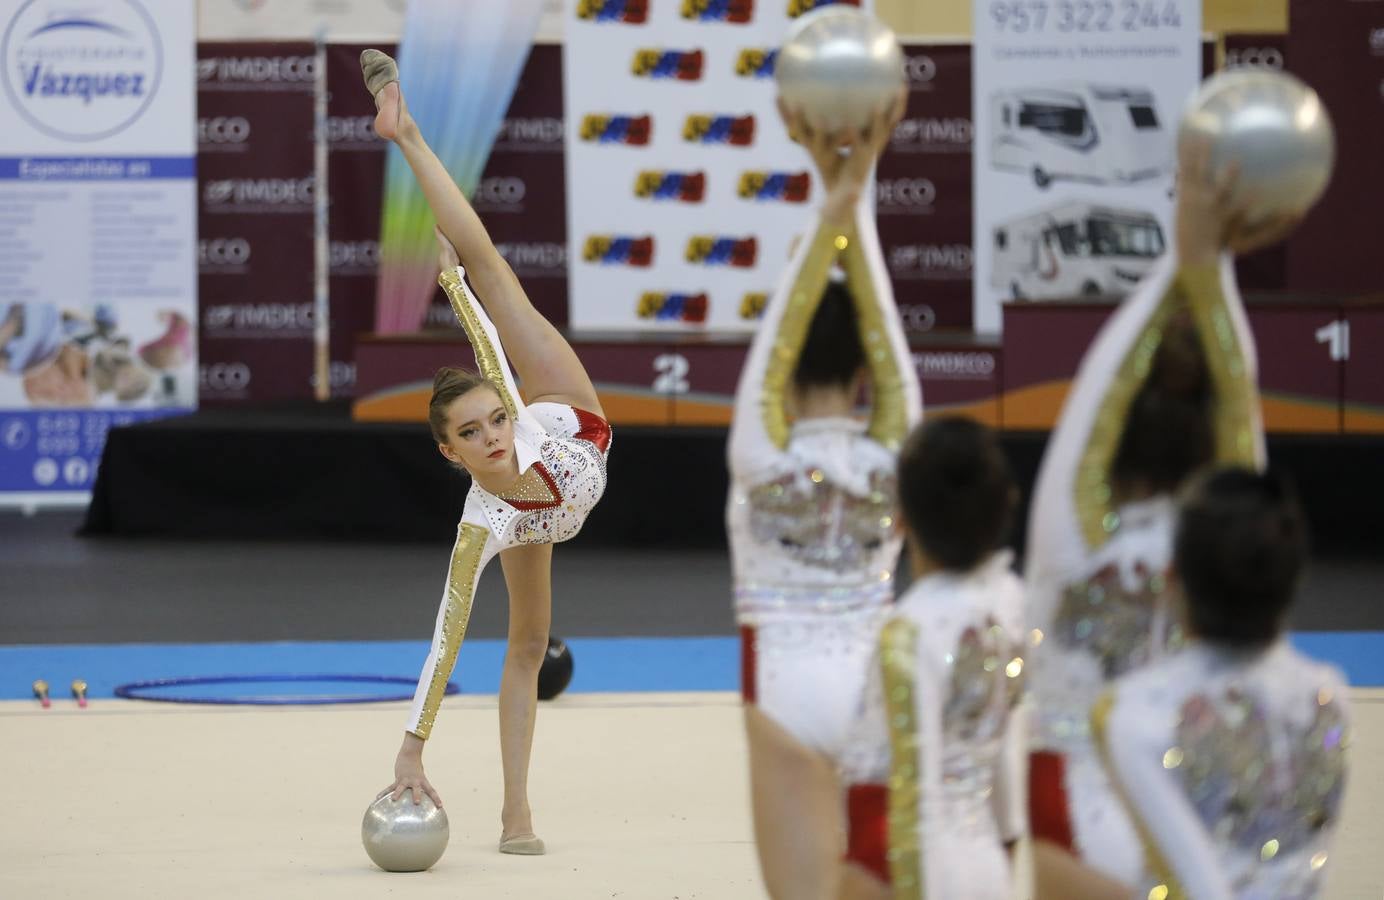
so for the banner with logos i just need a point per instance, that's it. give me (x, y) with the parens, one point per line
(522, 192)
(98, 221)
(1076, 104)
(256, 182)
(684, 193)
(355, 185)
(1337, 46)
(923, 191)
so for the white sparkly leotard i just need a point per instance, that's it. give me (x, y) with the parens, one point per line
(561, 452)
(810, 510)
(934, 764)
(1233, 764)
(1096, 572)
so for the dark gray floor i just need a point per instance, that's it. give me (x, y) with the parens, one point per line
(57, 588)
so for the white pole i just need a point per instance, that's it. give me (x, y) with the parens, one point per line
(321, 306)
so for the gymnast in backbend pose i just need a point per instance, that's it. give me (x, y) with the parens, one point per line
(537, 468)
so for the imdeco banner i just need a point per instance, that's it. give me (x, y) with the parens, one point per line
(684, 194)
(98, 233)
(1076, 104)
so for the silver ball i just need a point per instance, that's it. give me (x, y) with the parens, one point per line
(401, 836)
(1276, 128)
(840, 65)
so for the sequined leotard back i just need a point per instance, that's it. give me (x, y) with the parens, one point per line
(1097, 569)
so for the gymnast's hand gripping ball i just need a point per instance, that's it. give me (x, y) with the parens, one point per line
(1275, 129)
(840, 66)
(403, 836)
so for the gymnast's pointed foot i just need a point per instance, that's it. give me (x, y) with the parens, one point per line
(523, 845)
(381, 76)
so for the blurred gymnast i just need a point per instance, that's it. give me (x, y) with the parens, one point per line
(810, 514)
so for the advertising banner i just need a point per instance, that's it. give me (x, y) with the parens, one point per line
(98, 291)
(1076, 104)
(923, 191)
(256, 182)
(355, 183)
(522, 193)
(1337, 46)
(684, 193)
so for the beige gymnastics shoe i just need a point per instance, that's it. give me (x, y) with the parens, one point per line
(523, 845)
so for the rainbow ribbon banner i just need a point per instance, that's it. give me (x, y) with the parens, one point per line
(459, 63)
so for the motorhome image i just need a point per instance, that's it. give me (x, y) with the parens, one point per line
(1082, 132)
(1074, 249)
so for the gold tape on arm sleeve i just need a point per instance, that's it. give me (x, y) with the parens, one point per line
(1095, 493)
(898, 646)
(1168, 887)
(490, 361)
(805, 296)
(461, 593)
(888, 413)
(1236, 397)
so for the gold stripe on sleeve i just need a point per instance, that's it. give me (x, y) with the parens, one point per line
(1154, 860)
(1095, 493)
(898, 644)
(489, 362)
(461, 588)
(888, 415)
(804, 298)
(1235, 393)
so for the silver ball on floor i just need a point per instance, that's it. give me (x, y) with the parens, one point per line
(1275, 128)
(401, 836)
(841, 65)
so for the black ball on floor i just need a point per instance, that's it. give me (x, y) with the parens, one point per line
(556, 672)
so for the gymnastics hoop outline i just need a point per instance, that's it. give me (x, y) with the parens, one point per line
(135, 690)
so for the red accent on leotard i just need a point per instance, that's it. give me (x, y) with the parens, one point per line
(1049, 815)
(747, 664)
(592, 428)
(867, 842)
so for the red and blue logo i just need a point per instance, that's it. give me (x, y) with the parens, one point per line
(682, 65)
(752, 305)
(630, 12)
(737, 131)
(711, 250)
(789, 187)
(800, 7)
(618, 250)
(607, 129)
(669, 307)
(756, 62)
(737, 12)
(682, 187)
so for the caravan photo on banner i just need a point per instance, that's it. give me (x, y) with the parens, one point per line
(1076, 105)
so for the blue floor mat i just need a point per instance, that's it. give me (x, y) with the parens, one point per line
(602, 664)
